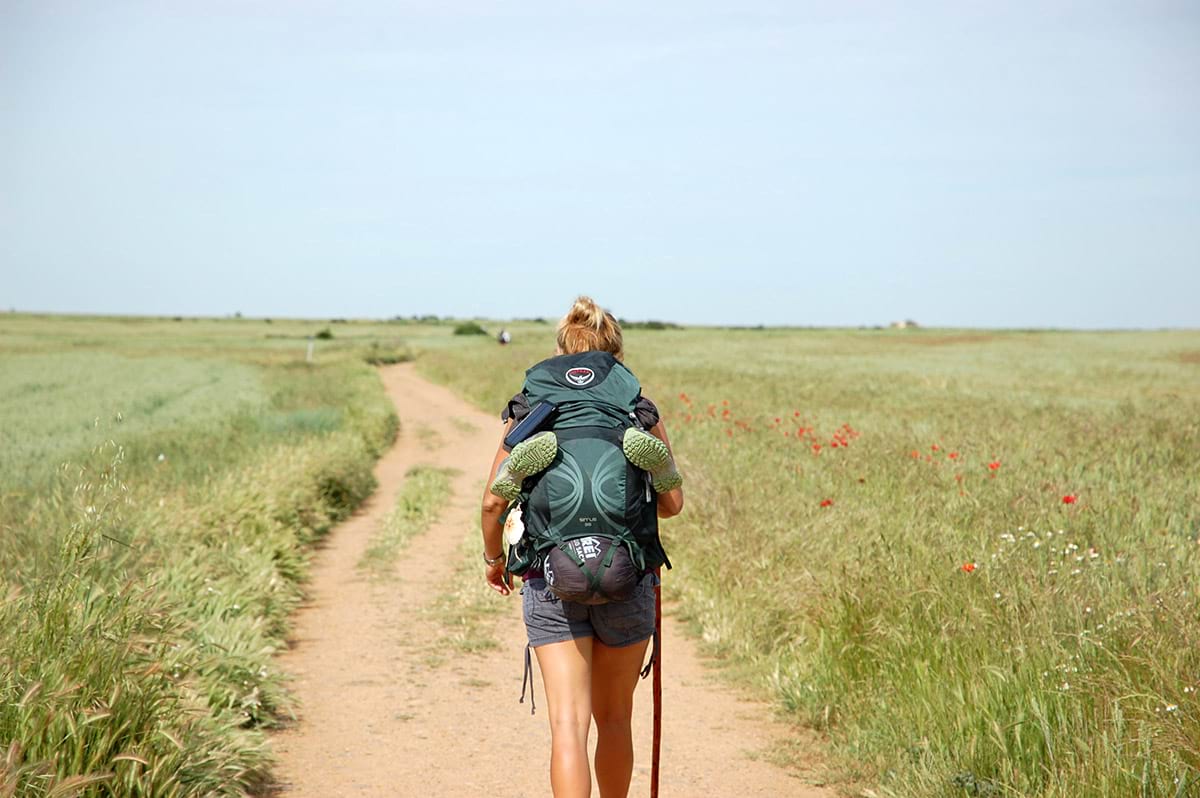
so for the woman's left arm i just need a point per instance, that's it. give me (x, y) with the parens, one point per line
(669, 503)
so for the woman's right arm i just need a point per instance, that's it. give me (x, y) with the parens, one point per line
(669, 503)
(493, 531)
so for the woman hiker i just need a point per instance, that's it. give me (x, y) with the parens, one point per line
(589, 650)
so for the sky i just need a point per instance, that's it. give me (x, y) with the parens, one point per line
(987, 164)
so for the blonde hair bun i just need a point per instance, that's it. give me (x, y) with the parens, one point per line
(586, 313)
(588, 327)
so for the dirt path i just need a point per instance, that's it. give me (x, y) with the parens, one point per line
(379, 716)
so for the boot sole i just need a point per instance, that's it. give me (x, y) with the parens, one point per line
(650, 454)
(527, 458)
(644, 450)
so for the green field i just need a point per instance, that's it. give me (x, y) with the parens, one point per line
(159, 482)
(970, 558)
(839, 482)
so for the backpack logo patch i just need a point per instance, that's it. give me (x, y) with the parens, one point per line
(586, 548)
(580, 376)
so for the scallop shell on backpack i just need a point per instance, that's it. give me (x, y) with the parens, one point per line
(514, 527)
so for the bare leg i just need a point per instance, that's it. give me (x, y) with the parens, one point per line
(566, 670)
(614, 677)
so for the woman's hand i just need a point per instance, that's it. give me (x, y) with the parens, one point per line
(495, 579)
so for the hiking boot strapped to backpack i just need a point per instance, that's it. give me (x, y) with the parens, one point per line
(590, 516)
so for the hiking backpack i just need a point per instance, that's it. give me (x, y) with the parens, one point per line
(591, 517)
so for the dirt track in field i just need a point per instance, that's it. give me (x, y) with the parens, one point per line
(379, 716)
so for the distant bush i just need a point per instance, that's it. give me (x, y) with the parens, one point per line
(325, 334)
(380, 355)
(649, 325)
(469, 328)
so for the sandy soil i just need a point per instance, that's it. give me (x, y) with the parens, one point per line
(379, 716)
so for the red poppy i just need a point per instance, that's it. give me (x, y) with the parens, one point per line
(725, 402)
(936, 448)
(968, 567)
(826, 502)
(777, 420)
(796, 414)
(833, 443)
(994, 465)
(914, 454)
(1070, 498)
(816, 447)
(953, 455)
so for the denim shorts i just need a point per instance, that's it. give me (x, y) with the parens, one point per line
(549, 619)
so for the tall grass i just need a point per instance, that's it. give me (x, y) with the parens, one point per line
(424, 492)
(839, 481)
(1061, 664)
(142, 596)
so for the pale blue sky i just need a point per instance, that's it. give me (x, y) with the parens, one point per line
(980, 164)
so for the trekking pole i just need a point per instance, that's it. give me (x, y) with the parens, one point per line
(657, 739)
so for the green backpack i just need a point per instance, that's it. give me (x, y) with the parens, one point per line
(591, 517)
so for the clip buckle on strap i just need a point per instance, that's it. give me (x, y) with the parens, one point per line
(653, 656)
(528, 679)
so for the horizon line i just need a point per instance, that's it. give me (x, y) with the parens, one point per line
(432, 318)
